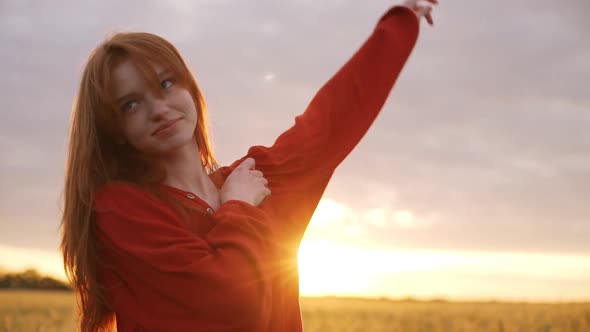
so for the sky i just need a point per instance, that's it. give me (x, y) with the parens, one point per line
(475, 174)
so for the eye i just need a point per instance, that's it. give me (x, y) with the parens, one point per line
(167, 83)
(129, 105)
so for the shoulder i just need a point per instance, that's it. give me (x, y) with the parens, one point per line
(126, 208)
(124, 197)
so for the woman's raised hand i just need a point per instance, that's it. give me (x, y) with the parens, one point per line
(245, 184)
(422, 8)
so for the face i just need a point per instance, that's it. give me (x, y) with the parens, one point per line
(154, 125)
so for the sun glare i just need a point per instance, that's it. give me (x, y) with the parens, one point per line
(328, 213)
(325, 269)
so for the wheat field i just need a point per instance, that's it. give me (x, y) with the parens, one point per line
(37, 311)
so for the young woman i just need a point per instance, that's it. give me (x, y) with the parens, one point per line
(156, 236)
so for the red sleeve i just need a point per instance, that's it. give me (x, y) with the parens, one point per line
(219, 282)
(301, 161)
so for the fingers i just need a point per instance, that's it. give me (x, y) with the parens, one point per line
(257, 173)
(264, 183)
(428, 18)
(266, 191)
(422, 2)
(262, 179)
(415, 3)
(247, 184)
(426, 12)
(422, 8)
(248, 163)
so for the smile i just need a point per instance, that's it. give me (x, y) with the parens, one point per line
(166, 127)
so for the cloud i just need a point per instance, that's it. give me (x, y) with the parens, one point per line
(337, 221)
(269, 77)
(483, 143)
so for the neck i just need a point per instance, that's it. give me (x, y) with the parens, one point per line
(185, 171)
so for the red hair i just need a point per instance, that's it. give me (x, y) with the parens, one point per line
(97, 155)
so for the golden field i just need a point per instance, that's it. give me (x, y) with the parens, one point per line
(28, 311)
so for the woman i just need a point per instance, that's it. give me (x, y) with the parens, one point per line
(156, 236)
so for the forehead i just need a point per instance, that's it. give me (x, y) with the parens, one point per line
(127, 77)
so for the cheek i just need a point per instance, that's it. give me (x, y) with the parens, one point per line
(184, 102)
(135, 131)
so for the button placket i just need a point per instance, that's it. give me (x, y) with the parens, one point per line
(192, 196)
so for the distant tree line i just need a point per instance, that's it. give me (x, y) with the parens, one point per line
(30, 279)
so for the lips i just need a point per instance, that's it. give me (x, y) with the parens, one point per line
(164, 126)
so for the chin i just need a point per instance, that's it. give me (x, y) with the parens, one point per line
(174, 144)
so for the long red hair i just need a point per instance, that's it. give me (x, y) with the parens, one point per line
(98, 155)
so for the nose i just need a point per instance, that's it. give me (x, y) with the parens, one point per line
(158, 108)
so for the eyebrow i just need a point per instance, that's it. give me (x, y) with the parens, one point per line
(164, 72)
(126, 96)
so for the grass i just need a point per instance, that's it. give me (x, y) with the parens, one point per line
(30, 311)
(36, 311)
(434, 316)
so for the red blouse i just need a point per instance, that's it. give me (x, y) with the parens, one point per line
(236, 269)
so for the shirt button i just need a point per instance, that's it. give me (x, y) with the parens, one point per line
(191, 196)
(210, 210)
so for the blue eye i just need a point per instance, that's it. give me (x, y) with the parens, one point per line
(129, 105)
(167, 84)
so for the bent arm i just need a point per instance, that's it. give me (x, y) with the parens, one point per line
(206, 278)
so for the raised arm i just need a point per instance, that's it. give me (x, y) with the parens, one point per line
(345, 107)
(301, 161)
(217, 283)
